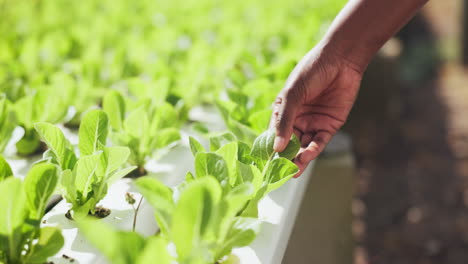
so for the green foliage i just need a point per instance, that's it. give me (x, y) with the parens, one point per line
(145, 129)
(93, 132)
(85, 180)
(124, 247)
(41, 106)
(149, 49)
(202, 221)
(234, 163)
(39, 185)
(215, 209)
(7, 122)
(22, 240)
(247, 111)
(262, 149)
(5, 169)
(160, 196)
(60, 149)
(94, 53)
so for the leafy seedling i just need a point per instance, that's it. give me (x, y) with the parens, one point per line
(123, 247)
(202, 222)
(85, 180)
(22, 205)
(42, 106)
(143, 130)
(234, 162)
(247, 111)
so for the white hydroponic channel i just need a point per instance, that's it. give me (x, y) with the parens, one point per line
(278, 210)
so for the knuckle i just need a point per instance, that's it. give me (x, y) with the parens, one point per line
(319, 140)
(314, 147)
(296, 91)
(322, 138)
(278, 122)
(279, 100)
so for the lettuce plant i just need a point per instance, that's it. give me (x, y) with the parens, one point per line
(247, 110)
(124, 247)
(85, 179)
(22, 205)
(7, 122)
(201, 223)
(235, 162)
(85, 95)
(46, 104)
(144, 130)
(214, 210)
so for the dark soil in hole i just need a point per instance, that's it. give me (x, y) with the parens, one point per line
(70, 259)
(42, 147)
(137, 173)
(68, 215)
(100, 212)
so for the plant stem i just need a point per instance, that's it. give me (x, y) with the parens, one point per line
(136, 213)
(265, 169)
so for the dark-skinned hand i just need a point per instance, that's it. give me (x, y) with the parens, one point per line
(315, 103)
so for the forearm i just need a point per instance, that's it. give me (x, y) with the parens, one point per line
(363, 26)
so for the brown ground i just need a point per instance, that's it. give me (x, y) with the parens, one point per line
(410, 135)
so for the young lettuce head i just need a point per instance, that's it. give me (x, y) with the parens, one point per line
(85, 179)
(22, 206)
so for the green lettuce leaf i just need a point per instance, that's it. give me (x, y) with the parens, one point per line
(61, 148)
(193, 217)
(160, 197)
(120, 247)
(113, 104)
(5, 170)
(93, 132)
(49, 242)
(39, 185)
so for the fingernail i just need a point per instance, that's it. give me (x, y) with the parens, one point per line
(306, 156)
(279, 143)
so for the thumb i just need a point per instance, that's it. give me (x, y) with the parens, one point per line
(284, 115)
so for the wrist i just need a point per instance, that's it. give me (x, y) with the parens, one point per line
(346, 54)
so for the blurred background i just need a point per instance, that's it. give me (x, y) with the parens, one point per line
(409, 130)
(410, 139)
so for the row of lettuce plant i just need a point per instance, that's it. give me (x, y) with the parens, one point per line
(204, 218)
(56, 59)
(144, 127)
(213, 211)
(82, 179)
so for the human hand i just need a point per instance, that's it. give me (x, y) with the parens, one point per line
(315, 102)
